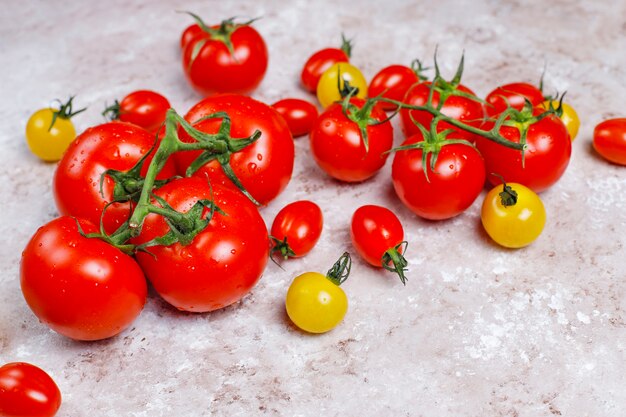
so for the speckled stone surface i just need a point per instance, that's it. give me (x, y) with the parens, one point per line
(478, 331)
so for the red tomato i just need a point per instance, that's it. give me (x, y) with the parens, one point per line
(378, 236)
(221, 264)
(460, 108)
(189, 34)
(318, 63)
(76, 186)
(392, 82)
(264, 167)
(80, 287)
(212, 68)
(27, 391)
(339, 149)
(300, 115)
(454, 184)
(514, 95)
(609, 140)
(545, 160)
(143, 108)
(297, 228)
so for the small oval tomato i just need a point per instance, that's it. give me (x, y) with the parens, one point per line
(513, 95)
(569, 117)
(82, 288)
(338, 146)
(226, 58)
(143, 108)
(609, 140)
(320, 61)
(513, 215)
(296, 229)
(27, 391)
(50, 131)
(378, 236)
(300, 115)
(315, 302)
(392, 82)
(332, 83)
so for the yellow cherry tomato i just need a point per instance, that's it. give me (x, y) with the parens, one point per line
(513, 215)
(569, 117)
(49, 140)
(315, 302)
(327, 89)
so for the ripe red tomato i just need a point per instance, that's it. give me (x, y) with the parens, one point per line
(339, 149)
(457, 107)
(392, 82)
(515, 95)
(296, 229)
(189, 34)
(76, 185)
(300, 115)
(264, 167)
(454, 184)
(143, 108)
(211, 67)
(320, 61)
(378, 236)
(609, 140)
(27, 391)
(221, 264)
(82, 288)
(545, 160)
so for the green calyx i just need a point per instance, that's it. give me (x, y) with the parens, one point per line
(65, 111)
(340, 270)
(394, 261)
(508, 196)
(346, 45)
(450, 88)
(281, 247)
(419, 69)
(112, 112)
(362, 116)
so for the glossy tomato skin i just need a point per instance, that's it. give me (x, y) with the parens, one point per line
(214, 70)
(338, 148)
(317, 64)
(27, 391)
(76, 184)
(144, 108)
(82, 288)
(189, 34)
(374, 230)
(264, 167)
(457, 180)
(460, 108)
(301, 222)
(300, 115)
(221, 264)
(514, 95)
(609, 140)
(392, 82)
(545, 160)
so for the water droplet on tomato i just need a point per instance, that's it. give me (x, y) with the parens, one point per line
(252, 166)
(451, 166)
(233, 251)
(259, 157)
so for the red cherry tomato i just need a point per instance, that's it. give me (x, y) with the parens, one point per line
(221, 264)
(143, 108)
(300, 115)
(378, 236)
(514, 95)
(454, 184)
(547, 155)
(392, 82)
(457, 107)
(27, 391)
(318, 63)
(338, 147)
(211, 67)
(80, 287)
(296, 229)
(76, 186)
(190, 34)
(609, 140)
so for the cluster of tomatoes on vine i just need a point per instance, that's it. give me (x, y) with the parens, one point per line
(182, 210)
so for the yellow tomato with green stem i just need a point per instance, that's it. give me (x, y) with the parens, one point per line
(315, 302)
(569, 117)
(513, 215)
(50, 131)
(337, 81)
